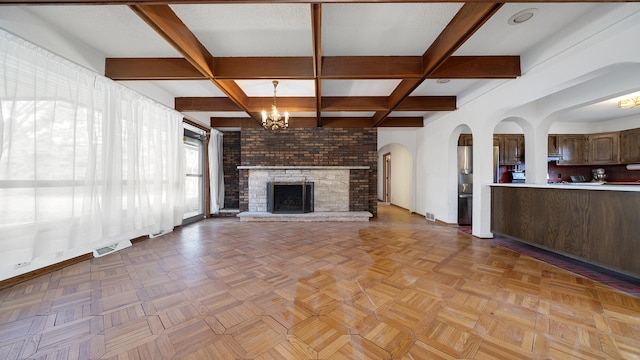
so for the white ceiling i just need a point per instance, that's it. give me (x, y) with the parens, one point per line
(382, 29)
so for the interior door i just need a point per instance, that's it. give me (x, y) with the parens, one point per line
(194, 195)
(386, 175)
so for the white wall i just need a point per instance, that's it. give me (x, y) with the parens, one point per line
(32, 28)
(555, 79)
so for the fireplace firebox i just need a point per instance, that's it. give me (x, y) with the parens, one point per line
(289, 197)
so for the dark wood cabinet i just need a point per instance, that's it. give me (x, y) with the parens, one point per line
(465, 140)
(630, 146)
(571, 149)
(552, 147)
(511, 149)
(604, 148)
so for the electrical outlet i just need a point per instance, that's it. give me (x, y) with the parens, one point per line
(22, 264)
(559, 176)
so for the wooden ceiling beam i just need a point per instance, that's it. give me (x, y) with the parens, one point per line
(464, 24)
(335, 67)
(371, 67)
(290, 104)
(205, 104)
(427, 103)
(166, 23)
(263, 67)
(478, 67)
(415, 121)
(151, 69)
(233, 122)
(328, 122)
(307, 104)
(354, 103)
(254, 104)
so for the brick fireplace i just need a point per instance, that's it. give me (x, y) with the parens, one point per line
(342, 163)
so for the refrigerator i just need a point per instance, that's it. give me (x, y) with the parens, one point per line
(465, 184)
(465, 181)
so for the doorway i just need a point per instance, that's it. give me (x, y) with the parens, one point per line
(194, 189)
(386, 178)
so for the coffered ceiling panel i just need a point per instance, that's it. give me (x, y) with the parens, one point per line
(383, 29)
(250, 29)
(515, 39)
(115, 31)
(289, 88)
(358, 87)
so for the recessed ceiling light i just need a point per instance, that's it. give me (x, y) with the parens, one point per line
(442, 81)
(522, 16)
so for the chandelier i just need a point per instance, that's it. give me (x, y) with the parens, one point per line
(273, 120)
(629, 103)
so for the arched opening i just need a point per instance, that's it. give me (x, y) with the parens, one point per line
(464, 177)
(509, 145)
(396, 176)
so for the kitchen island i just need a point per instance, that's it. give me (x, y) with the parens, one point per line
(596, 223)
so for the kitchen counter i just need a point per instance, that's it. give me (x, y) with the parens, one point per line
(595, 223)
(621, 186)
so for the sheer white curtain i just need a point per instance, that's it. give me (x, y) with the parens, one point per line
(84, 162)
(216, 174)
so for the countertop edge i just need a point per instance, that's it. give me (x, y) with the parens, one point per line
(260, 167)
(571, 186)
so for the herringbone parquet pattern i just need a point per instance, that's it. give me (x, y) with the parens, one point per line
(398, 287)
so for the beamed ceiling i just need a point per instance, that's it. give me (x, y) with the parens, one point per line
(339, 63)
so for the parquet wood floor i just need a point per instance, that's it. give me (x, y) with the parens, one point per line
(398, 287)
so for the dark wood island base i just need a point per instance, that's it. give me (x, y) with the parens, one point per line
(600, 226)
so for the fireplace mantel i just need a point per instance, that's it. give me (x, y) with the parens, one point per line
(303, 167)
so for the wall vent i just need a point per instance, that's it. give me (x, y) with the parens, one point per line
(431, 216)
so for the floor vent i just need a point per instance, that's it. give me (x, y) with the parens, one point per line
(431, 217)
(162, 232)
(105, 250)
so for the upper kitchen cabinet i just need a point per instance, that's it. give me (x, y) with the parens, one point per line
(552, 146)
(571, 149)
(603, 148)
(465, 140)
(630, 146)
(511, 149)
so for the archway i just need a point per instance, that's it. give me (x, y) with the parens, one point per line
(509, 137)
(463, 178)
(396, 176)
